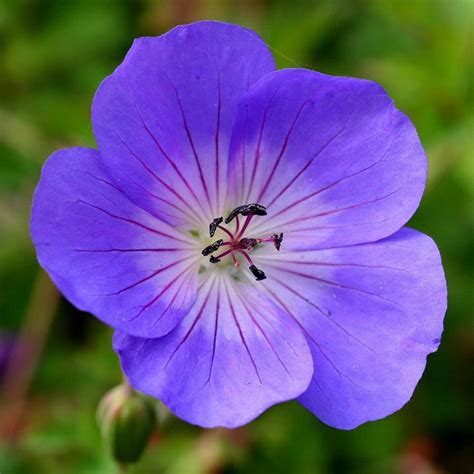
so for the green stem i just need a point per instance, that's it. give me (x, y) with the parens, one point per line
(26, 354)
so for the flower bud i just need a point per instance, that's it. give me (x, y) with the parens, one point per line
(126, 419)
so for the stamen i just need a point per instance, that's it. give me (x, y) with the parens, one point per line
(217, 258)
(237, 242)
(257, 273)
(213, 225)
(230, 234)
(246, 210)
(244, 227)
(246, 255)
(277, 240)
(247, 244)
(236, 262)
(237, 224)
(212, 248)
(254, 209)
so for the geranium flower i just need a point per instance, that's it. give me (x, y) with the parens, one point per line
(242, 230)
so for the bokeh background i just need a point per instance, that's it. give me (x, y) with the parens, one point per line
(53, 54)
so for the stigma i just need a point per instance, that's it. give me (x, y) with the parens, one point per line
(238, 243)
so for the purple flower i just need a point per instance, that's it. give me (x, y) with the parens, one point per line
(309, 288)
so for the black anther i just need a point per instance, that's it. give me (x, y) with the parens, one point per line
(255, 209)
(257, 273)
(213, 247)
(247, 244)
(247, 209)
(213, 225)
(277, 240)
(214, 259)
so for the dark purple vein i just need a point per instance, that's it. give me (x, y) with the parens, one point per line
(216, 142)
(335, 211)
(277, 331)
(308, 335)
(313, 378)
(321, 311)
(281, 154)
(133, 222)
(157, 178)
(305, 167)
(157, 143)
(242, 157)
(193, 148)
(244, 342)
(151, 249)
(195, 217)
(257, 151)
(149, 277)
(131, 202)
(342, 264)
(262, 332)
(342, 226)
(162, 292)
(331, 283)
(259, 143)
(216, 328)
(177, 292)
(198, 317)
(325, 188)
(173, 165)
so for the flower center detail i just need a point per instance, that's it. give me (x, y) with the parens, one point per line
(237, 242)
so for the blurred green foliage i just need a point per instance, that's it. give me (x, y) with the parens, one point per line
(53, 55)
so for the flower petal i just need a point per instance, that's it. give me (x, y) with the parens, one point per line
(231, 358)
(371, 313)
(107, 256)
(163, 119)
(331, 158)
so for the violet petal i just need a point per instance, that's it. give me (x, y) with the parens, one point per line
(106, 255)
(232, 357)
(331, 158)
(163, 119)
(371, 313)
